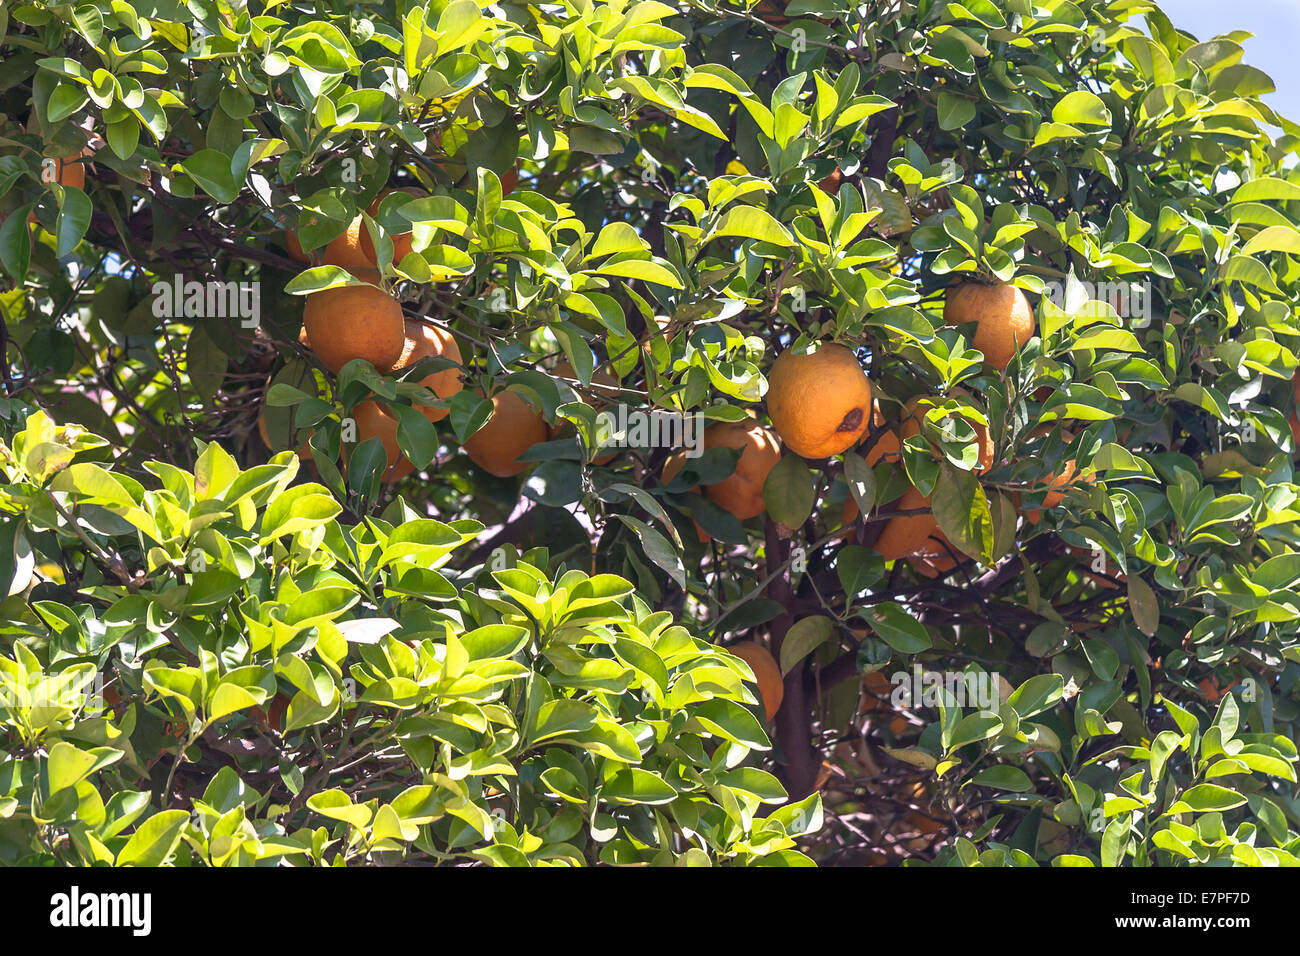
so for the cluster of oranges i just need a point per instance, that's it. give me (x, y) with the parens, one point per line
(365, 322)
(820, 404)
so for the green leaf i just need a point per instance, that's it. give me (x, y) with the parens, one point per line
(789, 492)
(154, 841)
(804, 637)
(898, 629)
(211, 170)
(1081, 108)
(74, 218)
(751, 222)
(1206, 797)
(954, 111)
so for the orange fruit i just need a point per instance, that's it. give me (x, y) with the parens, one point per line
(513, 429)
(849, 512)
(401, 242)
(373, 421)
(1003, 319)
(510, 180)
(302, 337)
(429, 341)
(347, 250)
(772, 11)
(741, 492)
(935, 558)
(819, 403)
(273, 717)
(675, 463)
(887, 446)
(295, 250)
(767, 674)
(354, 322)
(831, 184)
(69, 171)
(914, 414)
(1058, 484)
(906, 535)
(604, 388)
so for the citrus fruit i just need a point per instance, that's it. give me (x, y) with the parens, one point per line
(675, 463)
(1003, 319)
(373, 421)
(906, 535)
(401, 241)
(914, 414)
(886, 447)
(766, 673)
(513, 429)
(819, 403)
(603, 389)
(354, 322)
(429, 341)
(741, 492)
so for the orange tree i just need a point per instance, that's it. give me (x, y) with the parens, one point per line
(336, 531)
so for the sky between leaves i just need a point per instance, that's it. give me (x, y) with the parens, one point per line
(1275, 47)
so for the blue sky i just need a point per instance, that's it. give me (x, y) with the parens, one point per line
(1275, 47)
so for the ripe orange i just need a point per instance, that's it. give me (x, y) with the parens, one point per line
(767, 674)
(887, 446)
(604, 388)
(401, 242)
(831, 184)
(1004, 320)
(513, 429)
(772, 11)
(273, 717)
(675, 463)
(354, 321)
(914, 414)
(1059, 484)
(935, 558)
(373, 421)
(819, 403)
(295, 250)
(70, 171)
(429, 341)
(906, 535)
(741, 492)
(302, 337)
(348, 250)
(849, 512)
(67, 170)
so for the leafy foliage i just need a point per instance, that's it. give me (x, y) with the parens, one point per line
(700, 186)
